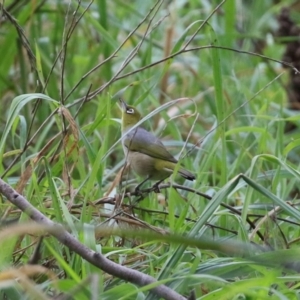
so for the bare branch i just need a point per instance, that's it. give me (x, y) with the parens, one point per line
(95, 258)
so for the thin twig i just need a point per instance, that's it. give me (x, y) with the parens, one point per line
(127, 60)
(171, 56)
(202, 25)
(182, 187)
(25, 42)
(179, 52)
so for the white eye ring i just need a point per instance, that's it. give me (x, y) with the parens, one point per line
(130, 110)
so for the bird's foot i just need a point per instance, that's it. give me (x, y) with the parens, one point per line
(155, 188)
(138, 192)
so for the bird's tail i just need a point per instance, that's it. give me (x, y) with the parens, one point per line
(170, 166)
(186, 174)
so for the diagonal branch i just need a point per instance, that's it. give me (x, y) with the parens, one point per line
(95, 258)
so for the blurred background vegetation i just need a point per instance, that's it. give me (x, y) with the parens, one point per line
(232, 65)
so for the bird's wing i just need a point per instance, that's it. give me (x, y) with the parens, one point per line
(143, 141)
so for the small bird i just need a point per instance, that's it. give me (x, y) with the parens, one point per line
(144, 152)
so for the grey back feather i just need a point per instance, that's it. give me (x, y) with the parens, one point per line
(143, 141)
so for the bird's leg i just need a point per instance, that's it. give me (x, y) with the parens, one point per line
(137, 189)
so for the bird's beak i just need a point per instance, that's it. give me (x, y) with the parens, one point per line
(122, 104)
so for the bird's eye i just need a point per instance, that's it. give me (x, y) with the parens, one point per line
(130, 110)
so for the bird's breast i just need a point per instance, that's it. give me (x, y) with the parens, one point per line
(145, 165)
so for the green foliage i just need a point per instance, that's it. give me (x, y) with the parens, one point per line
(193, 73)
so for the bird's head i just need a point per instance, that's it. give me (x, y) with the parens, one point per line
(130, 115)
